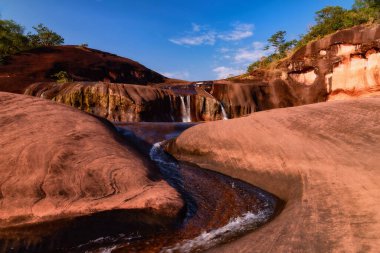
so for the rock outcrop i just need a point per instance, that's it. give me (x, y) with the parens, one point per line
(344, 64)
(323, 163)
(131, 103)
(80, 63)
(62, 170)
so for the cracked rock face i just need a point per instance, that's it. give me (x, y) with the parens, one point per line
(57, 163)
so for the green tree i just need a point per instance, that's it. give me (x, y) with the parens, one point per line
(328, 20)
(334, 18)
(281, 48)
(368, 10)
(12, 38)
(44, 37)
(278, 42)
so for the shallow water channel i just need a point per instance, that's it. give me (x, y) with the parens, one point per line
(218, 208)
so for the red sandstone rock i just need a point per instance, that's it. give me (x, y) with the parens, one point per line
(322, 159)
(82, 64)
(130, 103)
(58, 163)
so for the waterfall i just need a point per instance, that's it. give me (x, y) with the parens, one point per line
(224, 113)
(185, 109)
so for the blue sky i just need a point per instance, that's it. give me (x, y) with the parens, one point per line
(192, 40)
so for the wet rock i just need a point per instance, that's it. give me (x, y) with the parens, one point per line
(130, 103)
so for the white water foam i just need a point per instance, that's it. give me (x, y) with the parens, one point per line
(209, 239)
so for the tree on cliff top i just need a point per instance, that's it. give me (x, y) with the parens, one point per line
(281, 47)
(278, 42)
(44, 37)
(327, 20)
(333, 18)
(14, 40)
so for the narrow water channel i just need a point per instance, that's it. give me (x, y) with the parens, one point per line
(218, 208)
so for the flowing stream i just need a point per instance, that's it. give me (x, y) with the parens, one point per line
(218, 208)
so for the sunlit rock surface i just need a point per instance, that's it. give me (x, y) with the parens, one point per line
(131, 103)
(346, 64)
(322, 159)
(342, 65)
(59, 164)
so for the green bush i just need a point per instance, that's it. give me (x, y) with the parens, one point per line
(62, 77)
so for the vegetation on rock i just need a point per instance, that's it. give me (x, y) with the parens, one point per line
(279, 45)
(62, 77)
(13, 38)
(328, 20)
(44, 37)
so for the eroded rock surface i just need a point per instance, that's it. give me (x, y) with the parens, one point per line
(344, 63)
(131, 103)
(58, 164)
(322, 159)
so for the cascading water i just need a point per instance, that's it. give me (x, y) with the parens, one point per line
(185, 109)
(224, 113)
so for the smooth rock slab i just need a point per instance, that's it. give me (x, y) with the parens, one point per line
(58, 163)
(322, 159)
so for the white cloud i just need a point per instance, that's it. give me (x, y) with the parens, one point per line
(251, 54)
(224, 72)
(196, 27)
(241, 31)
(202, 39)
(177, 75)
(224, 50)
(203, 35)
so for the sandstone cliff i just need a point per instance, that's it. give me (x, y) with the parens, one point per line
(131, 103)
(345, 64)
